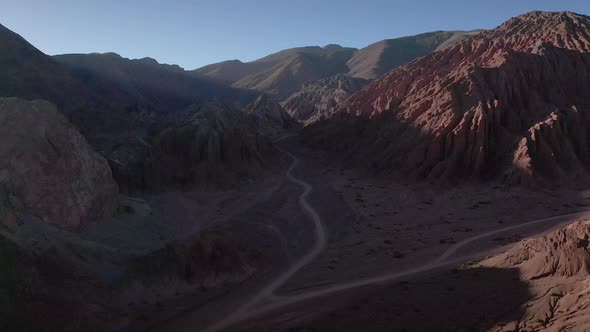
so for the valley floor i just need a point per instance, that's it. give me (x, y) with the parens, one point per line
(377, 226)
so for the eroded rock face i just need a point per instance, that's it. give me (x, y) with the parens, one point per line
(562, 253)
(216, 146)
(555, 267)
(47, 168)
(461, 112)
(269, 117)
(554, 147)
(315, 98)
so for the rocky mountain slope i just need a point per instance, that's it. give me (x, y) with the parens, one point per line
(215, 145)
(315, 98)
(284, 72)
(287, 70)
(48, 170)
(104, 95)
(511, 101)
(379, 58)
(161, 87)
(28, 73)
(556, 268)
(269, 117)
(125, 106)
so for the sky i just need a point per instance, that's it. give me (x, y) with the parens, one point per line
(199, 32)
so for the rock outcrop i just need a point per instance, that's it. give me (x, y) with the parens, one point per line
(556, 268)
(461, 112)
(268, 117)
(555, 147)
(47, 169)
(315, 98)
(215, 146)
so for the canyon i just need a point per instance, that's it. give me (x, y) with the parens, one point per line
(429, 182)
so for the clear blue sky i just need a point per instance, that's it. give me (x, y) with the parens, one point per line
(199, 32)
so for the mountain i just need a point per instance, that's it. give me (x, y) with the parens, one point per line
(48, 168)
(28, 73)
(281, 73)
(163, 87)
(284, 72)
(232, 71)
(315, 98)
(104, 94)
(512, 101)
(383, 56)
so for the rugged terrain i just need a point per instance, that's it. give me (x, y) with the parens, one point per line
(379, 58)
(556, 268)
(192, 205)
(284, 72)
(315, 98)
(48, 170)
(270, 117)
(214, 146)
(508, 103)
(159, 87)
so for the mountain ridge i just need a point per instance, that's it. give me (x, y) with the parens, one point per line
(285, 71)
(461, 112)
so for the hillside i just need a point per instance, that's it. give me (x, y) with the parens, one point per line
(511, 102)
(284, 72)
(383, 56)
(163, 87)
(315, 98)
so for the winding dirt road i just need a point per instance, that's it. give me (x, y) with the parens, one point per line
(267, 293)
(266, 300)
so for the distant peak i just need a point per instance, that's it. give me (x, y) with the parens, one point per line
(332, 46)
(148, 60)
(109, 54)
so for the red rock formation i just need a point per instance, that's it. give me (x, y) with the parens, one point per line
(47, 169)
(461, 112)
(556, 268)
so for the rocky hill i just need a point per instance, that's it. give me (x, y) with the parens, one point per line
(556, 268)
(317, 97)
(512, 101)
(215, 145)
(269, 117)
(48, 170)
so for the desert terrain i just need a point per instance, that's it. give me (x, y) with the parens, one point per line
(432, 182)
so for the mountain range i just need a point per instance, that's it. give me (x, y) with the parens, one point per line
(115, 172)
(284, 72)
(509, 102)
